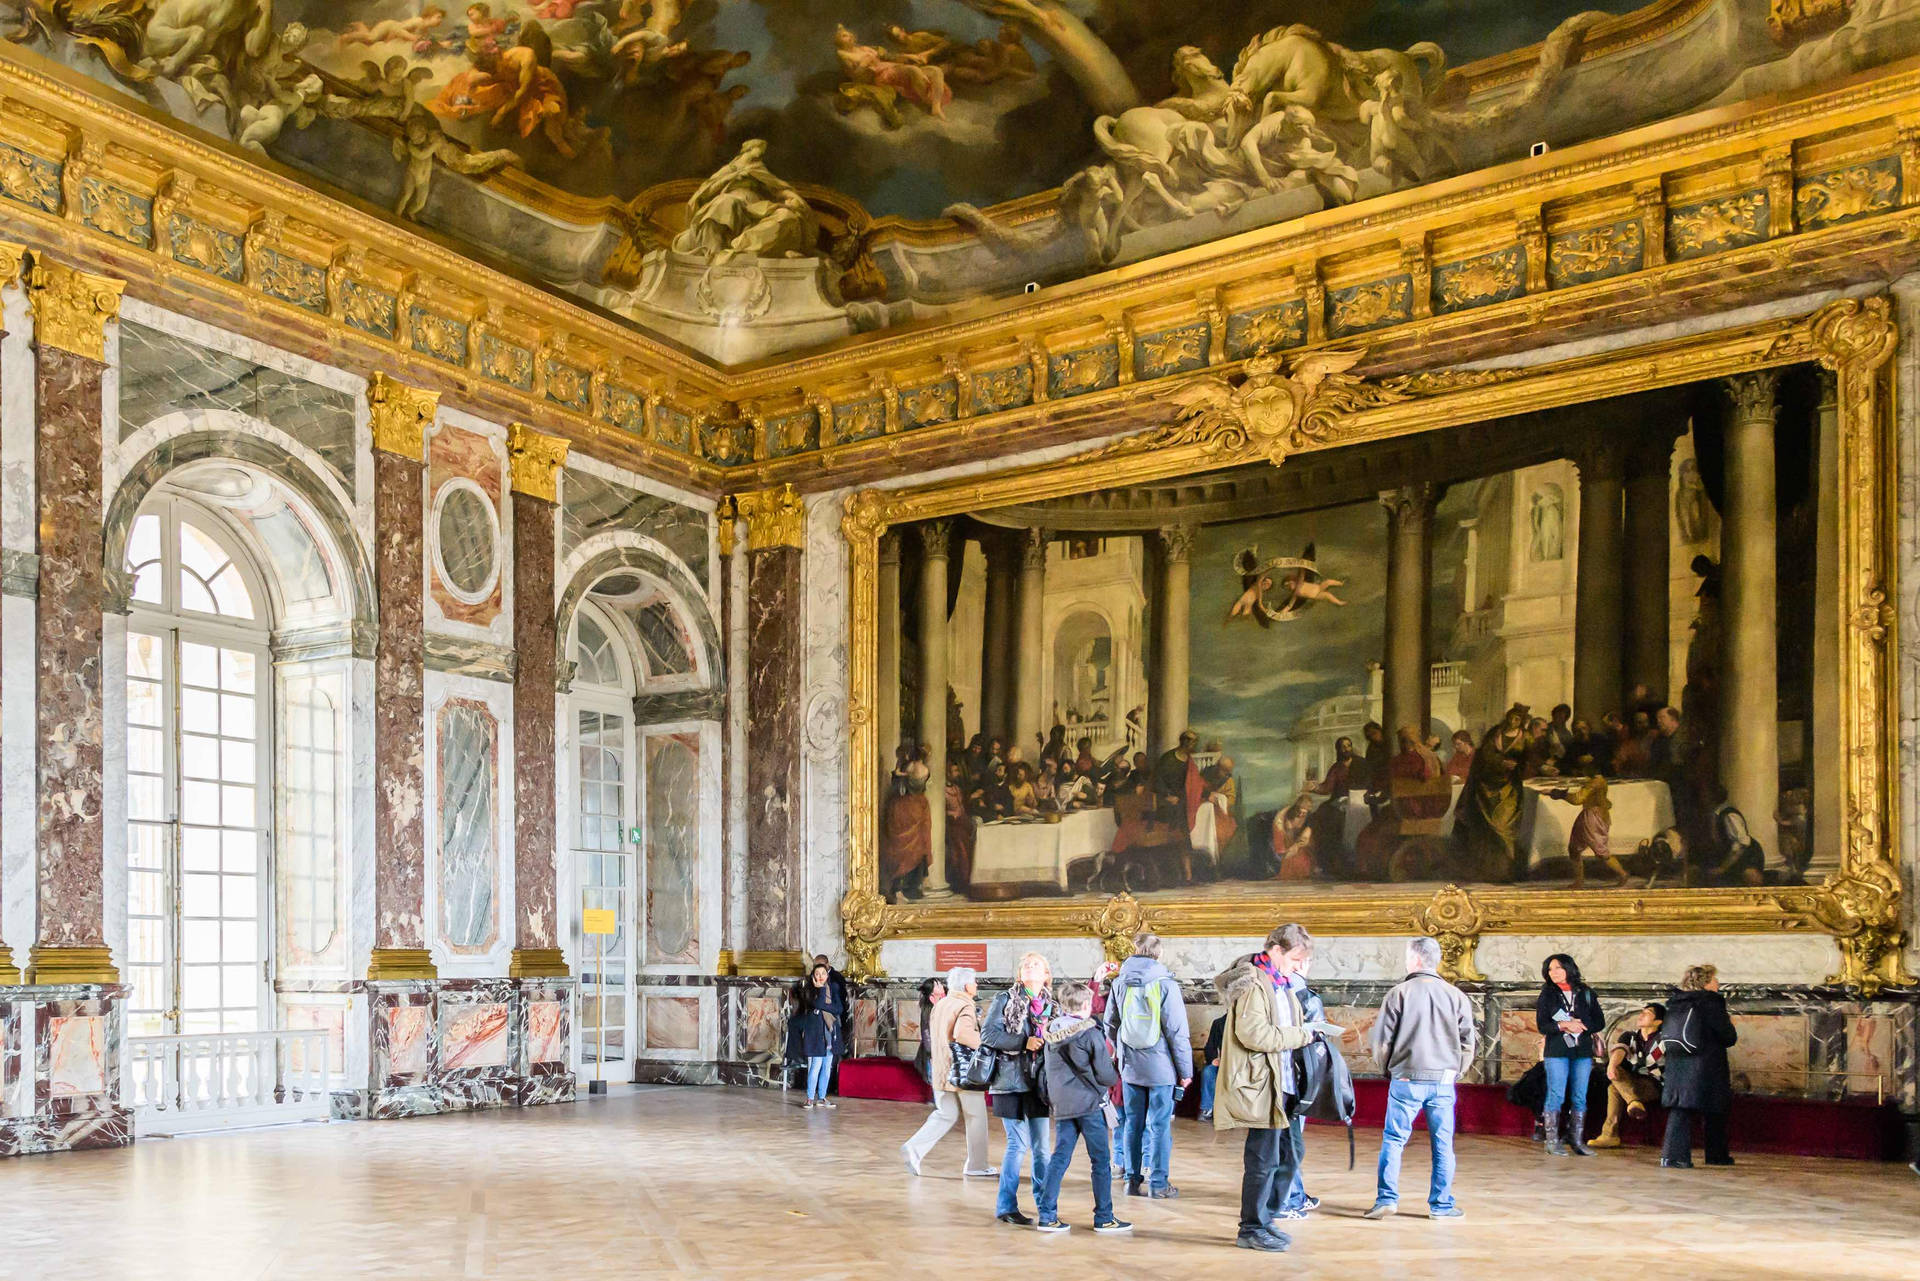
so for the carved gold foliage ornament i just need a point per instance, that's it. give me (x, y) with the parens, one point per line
(864, 917)
(1791, 21)
(1118, 922)
(775, 518)
(1455, 919)
(1715, 224)
(400, 416)
(1846, 193)
(71, 308)
(535, 459)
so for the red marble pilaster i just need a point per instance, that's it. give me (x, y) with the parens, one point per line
(11, 258)
(71, 309)
(536, 461)
(400, 418)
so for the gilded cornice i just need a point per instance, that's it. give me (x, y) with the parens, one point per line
(774, 518)
(400, 415)
(71, 308)
(246, 244)
(535, 460)
(13, 259)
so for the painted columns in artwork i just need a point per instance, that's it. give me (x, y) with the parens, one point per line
(70, 313)
(1749, 578)
(1029, 652)
(775, 928)
(1407, 678)
(1598, 583)
(1646, 652)
(1167, 690)
(887, 658)
(996, 637)
(535, 461)
(933, 692)
(1828, 813)
(399, 417)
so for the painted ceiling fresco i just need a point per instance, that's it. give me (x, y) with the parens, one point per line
(564, 136)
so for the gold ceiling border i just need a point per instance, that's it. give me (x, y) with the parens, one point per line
(1316, 402)
(1500, 259)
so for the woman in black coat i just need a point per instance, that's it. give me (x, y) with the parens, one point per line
(1014, 1027)
(1569, 1018)
(1697, 1080)
(822, 1006)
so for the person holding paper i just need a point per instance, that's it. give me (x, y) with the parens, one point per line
(1424, 1038)
(1568, 1016)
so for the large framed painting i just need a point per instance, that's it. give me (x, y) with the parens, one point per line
(1598, 645)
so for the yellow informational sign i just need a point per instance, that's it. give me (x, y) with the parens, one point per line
(598, 920)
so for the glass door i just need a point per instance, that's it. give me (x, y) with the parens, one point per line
(603, 854)
(197, 835)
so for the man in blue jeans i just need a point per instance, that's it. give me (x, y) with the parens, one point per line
(1424, 1039)
(1147, 1020)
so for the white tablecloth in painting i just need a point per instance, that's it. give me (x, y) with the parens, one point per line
(1358, 815)
(1031, 853)
(1641, 808)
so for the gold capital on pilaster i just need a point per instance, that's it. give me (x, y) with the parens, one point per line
(400, 416)
(535, 460)
(726, 515)
(775, 518)
(13, 258)
(71, 307)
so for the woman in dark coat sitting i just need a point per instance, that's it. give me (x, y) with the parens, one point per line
(1568, 1016)
(1015, 1025)
(1697, 1080)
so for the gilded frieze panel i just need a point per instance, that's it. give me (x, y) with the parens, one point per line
(1355, 309)
(438, 336)
(1266, 329)
(369, 310)
(860, 419)
(1085, 369)
(672, 427)
(1711, 226)
(1171, 351)
(117, 212)
(726, 442)
(1595, 253)
(29, 179)
(1009, 387)
(1478, 281)
(1847, 192)
(794, 433)
(505, 362)
(569, 385)
(202, 245)
(290, 279)
(625, 409)
(929, 404)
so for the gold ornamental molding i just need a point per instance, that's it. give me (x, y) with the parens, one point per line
(55, 966)
(535, 460)
(774, 518)
(1275, 410)
(9, 972)
(1717, 209)
(397, 964)
(400, 416)
(537, 963)
(13, 260)
(71, 307)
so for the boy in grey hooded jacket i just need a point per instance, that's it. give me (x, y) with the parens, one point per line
(1079, 1071)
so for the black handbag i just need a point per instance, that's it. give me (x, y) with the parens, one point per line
(972, 1068)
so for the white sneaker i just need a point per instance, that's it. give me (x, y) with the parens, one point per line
(913, 1158)
(987, 1173)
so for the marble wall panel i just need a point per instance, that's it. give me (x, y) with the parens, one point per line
(906, 1019)
(866, 1026)
(466, 482)
(546, 1031)
(1773, 1054)
(162, 373)
(400, 711)
(408, 1039)
(467, 846)
(473, 1036)
(673, 822)
(593, 501)
(775, 875)
(73, 1097)
(76, 1056)
(534, 782)
(672, 1023)
(542, 1041)
(763, 1028)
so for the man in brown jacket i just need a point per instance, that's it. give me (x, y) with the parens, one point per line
(1264, 1027)
(954, 1020)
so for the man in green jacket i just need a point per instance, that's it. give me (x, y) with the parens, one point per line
(1264, 1027)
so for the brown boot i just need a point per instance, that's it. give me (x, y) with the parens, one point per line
(1609, 1136)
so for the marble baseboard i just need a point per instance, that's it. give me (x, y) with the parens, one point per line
(549, 1083)
(656, 1072)
(74, 1132)
(456, 1045)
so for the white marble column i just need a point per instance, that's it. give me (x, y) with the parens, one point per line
(1407, 678)
(1029, 653)
(933, 692)
(1597, 611)
(1167, 691)
(1749, 666)
(1828, 812)
(886, 713)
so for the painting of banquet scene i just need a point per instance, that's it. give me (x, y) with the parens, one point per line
(1590, 647)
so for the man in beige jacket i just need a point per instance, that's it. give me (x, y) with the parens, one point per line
(954, 1019)
(1265, 1025)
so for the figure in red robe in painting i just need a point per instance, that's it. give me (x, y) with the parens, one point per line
(516, 84)
(906, 844)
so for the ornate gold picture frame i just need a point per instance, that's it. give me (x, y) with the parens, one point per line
(1262, 409)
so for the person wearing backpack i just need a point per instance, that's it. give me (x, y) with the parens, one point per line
(1694, 1041)
(1147, 1018)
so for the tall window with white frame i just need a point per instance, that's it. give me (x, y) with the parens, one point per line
(604, 816)
(199, 812)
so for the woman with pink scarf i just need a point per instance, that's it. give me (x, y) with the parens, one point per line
(1015, 1024)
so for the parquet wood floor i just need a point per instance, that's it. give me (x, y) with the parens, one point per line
(670, 1182)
